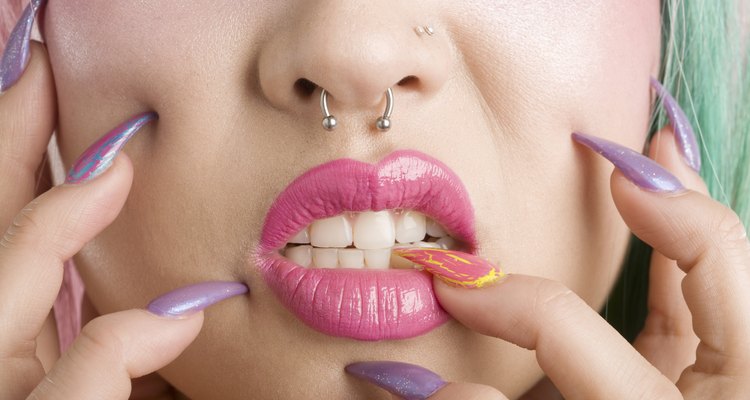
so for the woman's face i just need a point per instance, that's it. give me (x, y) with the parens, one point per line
(493, 94)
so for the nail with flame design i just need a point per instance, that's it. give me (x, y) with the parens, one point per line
(453, 267)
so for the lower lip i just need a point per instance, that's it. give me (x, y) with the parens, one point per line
(362, 305)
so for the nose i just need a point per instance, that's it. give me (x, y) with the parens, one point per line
(355, 50)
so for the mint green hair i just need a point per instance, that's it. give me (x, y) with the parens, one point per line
(705, 57)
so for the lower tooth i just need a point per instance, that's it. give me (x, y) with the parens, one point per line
(378, 258)
(400, 262)
(431, 245)
(447, 242)
(301, 255)
(351, 258)
(324, 258)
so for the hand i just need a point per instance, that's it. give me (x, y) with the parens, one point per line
(706, 291)
(44, 232)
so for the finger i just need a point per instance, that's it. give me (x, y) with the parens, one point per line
(409, 381)
(112, 350)
(580, 352)
(709, 243)
(467, 391)
(50, 230)
(667, 339)
(28, 112)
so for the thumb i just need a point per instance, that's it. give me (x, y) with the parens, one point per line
(115, 348)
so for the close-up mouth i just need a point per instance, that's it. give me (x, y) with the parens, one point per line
(325, 248)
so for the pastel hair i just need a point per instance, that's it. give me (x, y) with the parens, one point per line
(705, 60)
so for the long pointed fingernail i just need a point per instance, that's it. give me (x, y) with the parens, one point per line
(683, 130)
(99, 156)
(191, 299)
(639, 169)
(16, 54)
(408, 381)
(453, 267)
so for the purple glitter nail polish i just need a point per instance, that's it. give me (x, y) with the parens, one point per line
(683, 131)
(190, 299)
(16, 54)
(639, 169)
(99, 156)
(408, 381)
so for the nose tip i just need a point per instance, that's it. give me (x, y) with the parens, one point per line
(355, 55)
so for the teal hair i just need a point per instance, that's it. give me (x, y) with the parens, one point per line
(705, 57)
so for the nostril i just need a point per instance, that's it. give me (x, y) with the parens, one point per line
(410, 81)
(304, 88)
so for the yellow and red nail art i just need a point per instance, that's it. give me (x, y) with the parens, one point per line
(453, 267)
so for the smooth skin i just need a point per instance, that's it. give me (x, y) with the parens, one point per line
(705, 290)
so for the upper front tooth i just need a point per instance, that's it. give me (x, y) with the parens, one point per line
(434, 229)
(410, 227)
(302, 237)
(331, 232)
(374, 230)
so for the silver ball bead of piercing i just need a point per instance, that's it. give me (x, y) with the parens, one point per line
(383, 124)
(329, 123)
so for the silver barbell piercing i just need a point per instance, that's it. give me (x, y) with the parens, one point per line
(383, 123)
(421, 30)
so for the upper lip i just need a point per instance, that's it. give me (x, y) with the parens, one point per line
(404, 179)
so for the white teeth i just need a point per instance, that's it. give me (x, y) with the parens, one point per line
(331, 232)
(398, 262)
(373, 230)
(431, 245)
(327, 243)
(302, 237)
(411, 226)
(434, 229)
(325, 258)
(301, 255)
(378, 258)
(447, 242)
(351, 258)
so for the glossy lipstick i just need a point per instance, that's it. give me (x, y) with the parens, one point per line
(363, 304)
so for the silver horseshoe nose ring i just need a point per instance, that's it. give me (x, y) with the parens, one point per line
(383, 123)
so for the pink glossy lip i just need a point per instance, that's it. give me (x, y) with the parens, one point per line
(363, 304)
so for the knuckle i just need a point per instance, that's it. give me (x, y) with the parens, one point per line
(99, 340)
(730, 228)
(56, 236)
(25, 229)
(555, 303)
(554, 296)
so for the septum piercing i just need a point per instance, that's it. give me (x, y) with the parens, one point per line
(383, 123)
(424, 29)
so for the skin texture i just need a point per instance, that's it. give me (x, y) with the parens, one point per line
(495, 95)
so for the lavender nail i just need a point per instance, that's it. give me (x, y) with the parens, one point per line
(16, 54)
(683, 131)
(639, 169)
(409, 381)
(191, 299)
(99, 156)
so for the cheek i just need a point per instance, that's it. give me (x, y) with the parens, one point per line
(574, 63)
(546, 69)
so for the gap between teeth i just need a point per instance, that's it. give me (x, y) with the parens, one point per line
(365, 240)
